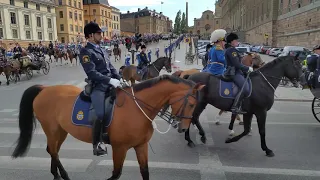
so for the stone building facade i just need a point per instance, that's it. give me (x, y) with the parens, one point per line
(205, 25)
(27, 21)
(273, 22)
(116, 26)
(298, 23)
(145, 21)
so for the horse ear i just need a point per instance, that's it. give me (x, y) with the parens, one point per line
(198, 87)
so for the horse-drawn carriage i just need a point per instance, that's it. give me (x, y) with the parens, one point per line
(316, 103)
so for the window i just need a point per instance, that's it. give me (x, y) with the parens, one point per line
(38, 7)
(15, 33)
(76, 28)
(50, 36)
(49, 23)
(94, 11)
(39, 35)
(217, 22)
(114, 18)
(79, 5)
(69, 2)
(109, 15)
(70, 14)
(71, 27)
(38, 22)
(105, 13)
(75, 3)
(26, 20)
(75, 16)
(60, 2)
(61, 14)
(109, 24)
(61, 27)
(28, 35)
(85, 11)
(80, 28)
(13, 18)
(72, 39)
(48, 8)
(12, 2)
(0, 19)
(86, 22)
(117, 18)
(101, 12)
(25, 4)
(63, 40)
(117, 26)
(80, 17)
(1, 33)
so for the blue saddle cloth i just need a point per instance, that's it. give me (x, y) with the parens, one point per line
(230, 90)
(83, 113)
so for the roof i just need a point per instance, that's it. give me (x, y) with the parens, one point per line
(103, 2)
(115, 8)
(45, 2)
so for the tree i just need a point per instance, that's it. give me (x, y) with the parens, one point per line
(177, 23)
(183, 24)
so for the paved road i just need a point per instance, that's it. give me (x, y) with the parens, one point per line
(291, 132)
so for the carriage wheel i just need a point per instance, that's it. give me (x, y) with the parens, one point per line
(46, 67)
(316, 108)
(29, 73)
(13, 77)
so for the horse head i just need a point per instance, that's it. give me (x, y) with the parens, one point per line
(163, 62)
(293, 68)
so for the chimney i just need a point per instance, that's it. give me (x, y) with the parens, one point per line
(128, 12)
(160, 13)
(146, 7)
(138, 9)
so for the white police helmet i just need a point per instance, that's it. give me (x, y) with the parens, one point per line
(218, 35)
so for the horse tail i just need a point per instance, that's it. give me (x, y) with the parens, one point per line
(27, 122)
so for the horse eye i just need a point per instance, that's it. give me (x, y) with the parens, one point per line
(191, 105)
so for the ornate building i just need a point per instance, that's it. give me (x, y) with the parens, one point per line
(27, 21)
(99, 11)
(145, 21)
(116, 26)
(273, 22)
(205, 25)
(69, 20)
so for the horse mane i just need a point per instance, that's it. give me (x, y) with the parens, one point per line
(151, 82)
(275, 61)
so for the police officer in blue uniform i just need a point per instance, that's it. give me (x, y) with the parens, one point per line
(312, 60)
(97, 65)
(144, 62)
(233, 59)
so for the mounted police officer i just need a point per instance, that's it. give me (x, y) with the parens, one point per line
(144, 62)
(312, 60)
(216, 59)
(97, 65)
(236, 69)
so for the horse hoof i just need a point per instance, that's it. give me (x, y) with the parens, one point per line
(203, 139)
(270, 153)
(8, 83)
(241, 123)
(218, 123)
(191, 144)
(228, 140)
(57, 178)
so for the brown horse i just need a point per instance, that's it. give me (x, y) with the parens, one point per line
(117, 54)
(129, 73)
(60, 54)
(5, 67)
(135, 107)
(72, 55)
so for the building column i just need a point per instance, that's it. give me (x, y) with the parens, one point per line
(6, 20)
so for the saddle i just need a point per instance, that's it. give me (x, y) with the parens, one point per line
(83, 113)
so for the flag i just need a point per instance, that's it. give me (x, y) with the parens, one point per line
(161, 2)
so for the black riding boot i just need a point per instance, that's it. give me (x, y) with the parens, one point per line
(96, 136)
(236, 107)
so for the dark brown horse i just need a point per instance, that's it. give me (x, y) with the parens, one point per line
(129, 73)
(135, 109)
(6, 68)
(72, 55)
(60, 54)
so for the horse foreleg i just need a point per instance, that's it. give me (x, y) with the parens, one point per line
(142, 156)
(217, 117)
(233, 118)
(247, 119)
(71, 59)
(7, 77)
(119, 155)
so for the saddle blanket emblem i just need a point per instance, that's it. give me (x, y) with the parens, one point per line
(80, 112)
(230, 90)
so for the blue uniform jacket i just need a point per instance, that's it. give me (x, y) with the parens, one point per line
(312, 62)
(143, 59)
(96, 64)
(217, 62)
(233, 59)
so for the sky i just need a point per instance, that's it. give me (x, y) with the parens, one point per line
(169, 7)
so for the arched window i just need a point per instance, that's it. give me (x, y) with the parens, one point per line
(207, 16)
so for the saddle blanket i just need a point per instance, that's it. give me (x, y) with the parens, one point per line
(230, 90)
(83, 113)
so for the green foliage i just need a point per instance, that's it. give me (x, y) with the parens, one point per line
(177, 23)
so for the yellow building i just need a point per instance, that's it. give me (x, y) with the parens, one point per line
(69, 20)
(99, 11)
(115, 21)
(27, 21)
